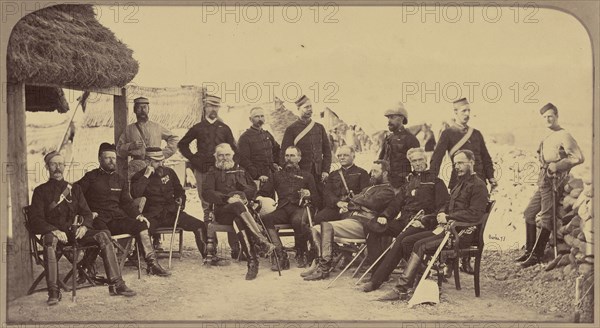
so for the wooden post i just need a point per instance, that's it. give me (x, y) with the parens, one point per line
(120, 113)
(20, 270)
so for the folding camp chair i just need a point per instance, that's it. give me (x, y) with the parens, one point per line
(351, 246)
(36, 250)
(474, 250)
(212, 227)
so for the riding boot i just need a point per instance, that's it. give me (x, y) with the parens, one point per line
(282, 256)
(247, 246)
(405, 281)
(263, 242)
(51, 267)
(530, 235)
(200, 236)
(153, 267)
(111, 266)
(537, 253)
(316, 242)
(325, 254)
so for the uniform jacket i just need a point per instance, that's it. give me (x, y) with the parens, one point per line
(43, 220)
(218, 185)
(423, 191)
(107, 193)
(484, 167)
(207, 137)
(468, 199)
(357, 179)
(287, 183)
(315, 148)
(372, 201)
(258, 150)
(394, 150)
(160, 191)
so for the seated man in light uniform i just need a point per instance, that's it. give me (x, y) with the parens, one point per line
(361, 209)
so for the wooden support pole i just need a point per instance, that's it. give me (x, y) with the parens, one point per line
(20, 270)
(120, 113)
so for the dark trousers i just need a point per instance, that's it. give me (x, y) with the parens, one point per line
(294, 215)
(121, 226)
(185, 222)
(327, 214)
(393, 256)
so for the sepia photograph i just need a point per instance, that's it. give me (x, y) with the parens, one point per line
(299, 164)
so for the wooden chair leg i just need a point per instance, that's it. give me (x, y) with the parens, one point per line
(456, 264)
(180, 245)
(139, 263)
(476, 277)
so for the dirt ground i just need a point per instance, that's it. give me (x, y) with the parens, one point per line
(195, 293)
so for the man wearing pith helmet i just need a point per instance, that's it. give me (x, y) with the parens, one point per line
(396, 145)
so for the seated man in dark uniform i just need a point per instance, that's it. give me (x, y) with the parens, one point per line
(164, 195)
(229, 188)
(54, 207)
(341, 185)
(423, 190)
(292, 186)
(107, 194)
(467, 203)
(361, 209)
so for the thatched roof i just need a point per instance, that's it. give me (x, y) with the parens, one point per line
(66, 46)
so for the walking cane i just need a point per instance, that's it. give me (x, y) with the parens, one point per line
(415, 217)
(173, 235)
(268, 238)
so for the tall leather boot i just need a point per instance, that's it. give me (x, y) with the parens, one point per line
(530, 234)
(282, 256)
(153, 267)
(263, 242)
(111, 266)
(247, 246)
(537, 253)
(405, 281)
(200, 236)
(51, 266)
(316, 241)
(326, 253)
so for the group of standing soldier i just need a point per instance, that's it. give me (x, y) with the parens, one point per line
(348, 202)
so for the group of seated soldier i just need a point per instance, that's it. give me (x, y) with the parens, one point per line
(355, 204)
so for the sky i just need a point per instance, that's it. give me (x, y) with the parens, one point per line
(360, 61)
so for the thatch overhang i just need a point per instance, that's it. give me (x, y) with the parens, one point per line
(45, 99)
(64, 46)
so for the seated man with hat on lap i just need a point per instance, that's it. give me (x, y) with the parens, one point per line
(165, 196)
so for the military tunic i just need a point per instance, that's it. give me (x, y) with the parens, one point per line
(394, 150)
